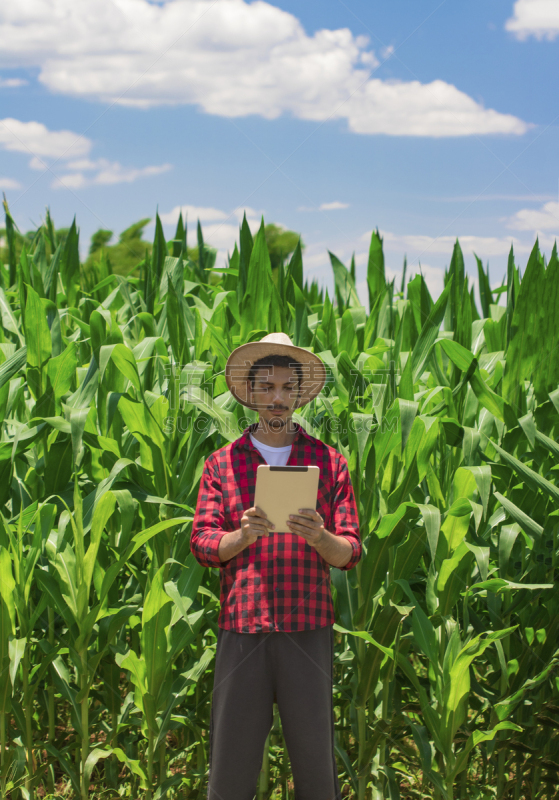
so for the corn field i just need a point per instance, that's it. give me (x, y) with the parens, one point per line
(112, 395)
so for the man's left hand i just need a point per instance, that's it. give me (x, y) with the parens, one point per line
(308, 524)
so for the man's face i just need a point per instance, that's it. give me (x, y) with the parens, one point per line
(275, 394)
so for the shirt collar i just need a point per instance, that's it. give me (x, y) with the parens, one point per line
(244, 441)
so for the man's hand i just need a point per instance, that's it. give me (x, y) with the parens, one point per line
(308, 524)
(335, 550)
(255, 523)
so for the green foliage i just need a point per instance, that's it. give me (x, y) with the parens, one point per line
(13, 242)
(123, 257)
(281, 244)
(112, 395)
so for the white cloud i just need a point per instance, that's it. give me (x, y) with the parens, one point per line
(473, 198)
(192, 213)
(108, 173)
(38, 164)
(545, 218)
(204, 214)
(433, 109)
(9, 183)
(113, 172)
(37, 140)
(86, 164)
(333, 206)
(231, 58)
(539, 18)
(12, 83)
(416, 246)
(72, 150)
(72, 180)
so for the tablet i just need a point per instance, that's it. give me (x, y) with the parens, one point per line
(281, 491)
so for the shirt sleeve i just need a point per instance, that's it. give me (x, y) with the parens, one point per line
(207, 526)
(344, 513)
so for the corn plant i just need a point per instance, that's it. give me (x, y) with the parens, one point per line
(112, 395)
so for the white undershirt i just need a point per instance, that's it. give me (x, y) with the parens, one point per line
(275, 456)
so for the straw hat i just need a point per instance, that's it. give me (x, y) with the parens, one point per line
(243, 357)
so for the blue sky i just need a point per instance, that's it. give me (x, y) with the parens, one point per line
(428, 119)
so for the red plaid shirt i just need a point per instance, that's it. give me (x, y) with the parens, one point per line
(278, 583)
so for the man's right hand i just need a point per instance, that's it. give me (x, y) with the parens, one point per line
(254, 523)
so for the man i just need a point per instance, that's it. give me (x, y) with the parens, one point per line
(275, 639)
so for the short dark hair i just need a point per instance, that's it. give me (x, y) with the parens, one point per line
(276, 361)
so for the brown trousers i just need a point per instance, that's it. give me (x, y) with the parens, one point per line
(254, 670)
